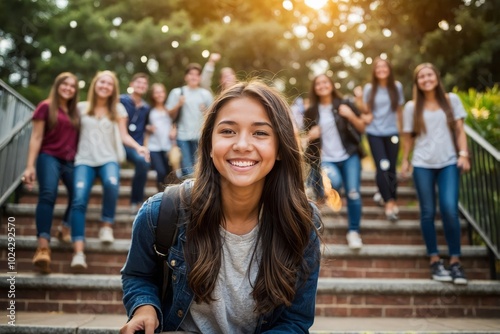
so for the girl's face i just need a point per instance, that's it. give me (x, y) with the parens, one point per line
(159, 95)
(104, 86)
(244, 143)
(427, 79)
(382, 70)
(67, 89)
(323, 86)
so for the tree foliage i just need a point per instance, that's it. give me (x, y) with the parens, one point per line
(280, 41)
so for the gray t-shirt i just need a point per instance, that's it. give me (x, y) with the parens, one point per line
(233, 310)
(97, 144)
(197, 100)
(332, 149)
(384, 118)
(435, 147)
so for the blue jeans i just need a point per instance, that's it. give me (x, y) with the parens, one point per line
(347, 174)
(140, 175)
(84, 179)
(159, 162)
(188, 150)
(385, 156)
(49, 170)
(447, 181)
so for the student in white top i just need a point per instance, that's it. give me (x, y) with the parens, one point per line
(100, 150)
(158, 138)
(433, 127)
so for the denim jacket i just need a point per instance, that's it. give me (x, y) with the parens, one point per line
(141, 271)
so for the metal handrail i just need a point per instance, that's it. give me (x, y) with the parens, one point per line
(15, 133)
(480, 196)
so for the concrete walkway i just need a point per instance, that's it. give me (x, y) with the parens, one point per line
(109, 324)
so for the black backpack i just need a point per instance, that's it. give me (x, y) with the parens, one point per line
(166, 233)
(176, 119)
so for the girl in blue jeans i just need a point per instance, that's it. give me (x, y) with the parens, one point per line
(433, 128)
(334, 127)
(53, 143)
(100, 150)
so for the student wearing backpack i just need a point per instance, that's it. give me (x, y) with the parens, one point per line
(188, 105)
(247, 252)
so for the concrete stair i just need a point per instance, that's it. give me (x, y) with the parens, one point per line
(387, 279)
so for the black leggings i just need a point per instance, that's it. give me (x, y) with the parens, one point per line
(385, 155)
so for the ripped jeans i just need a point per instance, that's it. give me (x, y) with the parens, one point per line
(83, 180)
(347, 174)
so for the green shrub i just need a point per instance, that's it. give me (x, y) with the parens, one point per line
(483, 109)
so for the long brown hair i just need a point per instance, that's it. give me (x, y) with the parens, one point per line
(54, 102)
(112, 100)
(391, 86)
(286, 221)
(152, 89)
(419, 99)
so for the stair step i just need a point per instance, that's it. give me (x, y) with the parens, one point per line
(63, 323)
(390, 261)
(406, 195)
(341, 297)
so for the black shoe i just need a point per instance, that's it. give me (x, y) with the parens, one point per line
(439, 273)
(457, 274)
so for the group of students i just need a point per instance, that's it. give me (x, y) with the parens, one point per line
(432, 129)
(247, 249)
(76, 142)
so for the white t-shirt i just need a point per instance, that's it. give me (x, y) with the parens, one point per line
(97, 144)
(384, 118)
(435, 147)
(196, 102)
(159, 140)
(332, 149)
(233, 308)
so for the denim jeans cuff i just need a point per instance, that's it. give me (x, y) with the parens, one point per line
(44, 235)
(79, 238)
(108, 220)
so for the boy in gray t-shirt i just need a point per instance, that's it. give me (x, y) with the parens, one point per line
(189, 115)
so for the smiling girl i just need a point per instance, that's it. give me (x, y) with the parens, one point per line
(103, 129)
(246, 257)
(53, 143)
(433, 127)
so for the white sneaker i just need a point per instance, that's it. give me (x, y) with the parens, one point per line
(106, 235)
(354, 240)
(377, 198)
(78, 263)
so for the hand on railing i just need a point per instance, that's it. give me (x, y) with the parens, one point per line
(29, 177)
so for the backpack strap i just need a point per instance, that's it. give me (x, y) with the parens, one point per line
(166, 233)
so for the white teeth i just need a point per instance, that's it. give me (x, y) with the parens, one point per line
(242, 163)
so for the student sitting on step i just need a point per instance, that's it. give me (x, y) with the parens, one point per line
(53, 144)
(433, 127)
(246, 257)
(100, 150)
